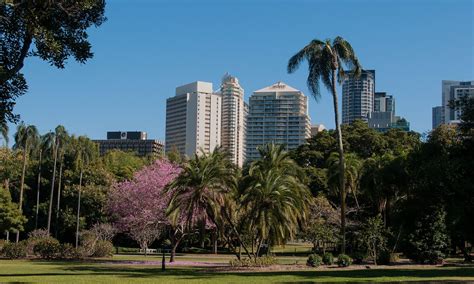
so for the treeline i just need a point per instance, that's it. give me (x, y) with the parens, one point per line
(45, 172)
(401, 194)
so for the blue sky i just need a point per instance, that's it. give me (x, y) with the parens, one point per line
(147, 48)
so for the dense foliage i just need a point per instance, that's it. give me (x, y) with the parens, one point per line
(403, 195)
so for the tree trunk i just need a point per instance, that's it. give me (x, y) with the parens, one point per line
(38, 190)
(22, 185)
(174, 245)
(202, 233)
(78, 210)
(214, 241)
(59, 199)
(52, 188)
(236, 233)
(341, 162)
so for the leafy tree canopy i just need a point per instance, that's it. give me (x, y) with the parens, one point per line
(51, 30)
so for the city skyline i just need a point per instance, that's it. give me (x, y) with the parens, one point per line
(136, 80)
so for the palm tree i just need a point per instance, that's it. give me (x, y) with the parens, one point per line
(353, 174)
(199, 193)
(38, 184)
(84, 153)
(62, 151)
(26, 137)
(55, 141)
(326, 62)
(274, 196)
(4, 131)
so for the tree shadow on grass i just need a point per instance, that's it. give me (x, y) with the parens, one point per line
(306, 275)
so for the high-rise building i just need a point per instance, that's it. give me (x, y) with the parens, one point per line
(130, 141)
(233, 119)
(384, 102)
(315, 129)
(277, 114)
(193, 119)
(358, 96)
(383, 117)
(452, 91)
(437, 116)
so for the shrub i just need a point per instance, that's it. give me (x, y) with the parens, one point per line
(359, 257)
(314, 260)
(88, 241)
(47, 248)
(103, 249)
(344, 260)
(67, 251)
(386, 257)
(103, 231)
(2, 244)
(432, 257)
(39, 234)
(15, 250)
(251, 262)
(328, 258)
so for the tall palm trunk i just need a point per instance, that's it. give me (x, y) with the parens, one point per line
(52, 188)
(38, 189)
(341, 162)
(229, 220)
(79, 210)
(22, 185)
(59, 199)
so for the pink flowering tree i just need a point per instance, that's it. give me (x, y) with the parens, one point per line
(139, 206)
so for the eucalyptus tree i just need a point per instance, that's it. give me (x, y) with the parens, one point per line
(26, 138)
(55, 141)
(275, 197)
(326, 61)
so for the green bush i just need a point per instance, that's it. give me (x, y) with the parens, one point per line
(261, 261)
(67, 251)
(47, 248)
(328, 258)
(386, 257)
(14, 250)
(344, 260)
(314, 260)
(432, 257)
(34, 237)
(88, 241)
(359, 256)
(103, 249)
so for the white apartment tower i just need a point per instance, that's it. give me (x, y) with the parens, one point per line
(233, 119)
(277, 114)
(193, 119)
(453, 91)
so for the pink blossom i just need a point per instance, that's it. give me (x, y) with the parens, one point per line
(138, 206)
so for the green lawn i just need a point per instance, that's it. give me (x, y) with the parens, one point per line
(112, 271)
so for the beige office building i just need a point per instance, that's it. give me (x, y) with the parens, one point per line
(193, 119)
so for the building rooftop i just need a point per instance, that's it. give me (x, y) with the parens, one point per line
(277, 87)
